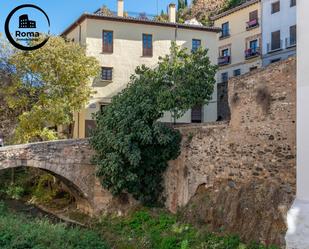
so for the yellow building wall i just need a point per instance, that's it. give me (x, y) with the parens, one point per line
(237, 40)
(127, 55)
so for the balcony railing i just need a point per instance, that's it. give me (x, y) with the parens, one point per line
(290, 42)
(274, 47)
(252, 24)
(224, 60)
(252, 52)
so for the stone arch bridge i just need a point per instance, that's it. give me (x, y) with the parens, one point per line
(68, 160)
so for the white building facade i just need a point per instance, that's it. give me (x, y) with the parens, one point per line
(278, 30)
(121, 43)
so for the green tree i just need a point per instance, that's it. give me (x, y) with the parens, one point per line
(47, 86)
(163, 17)
(182, 4)
(132, 147)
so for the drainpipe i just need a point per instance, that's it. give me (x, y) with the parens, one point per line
(262, 36)
(175, 40)
(80, 43)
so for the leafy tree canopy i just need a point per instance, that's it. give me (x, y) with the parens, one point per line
(132, 147)
(47, 86)
(182, 4)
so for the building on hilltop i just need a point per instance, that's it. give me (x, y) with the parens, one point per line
(121, 43)
(278, 30)
(239, 46)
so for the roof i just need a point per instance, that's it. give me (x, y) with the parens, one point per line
(137, 21)
(235, 9)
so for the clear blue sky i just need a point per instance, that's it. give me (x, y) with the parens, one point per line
(63, 12)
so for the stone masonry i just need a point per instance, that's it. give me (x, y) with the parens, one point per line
(239, 177)
(67, 159)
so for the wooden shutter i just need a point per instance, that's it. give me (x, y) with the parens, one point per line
(108, 41)
(275, 40)
(253, 15)
(147, 45)
(293, 34)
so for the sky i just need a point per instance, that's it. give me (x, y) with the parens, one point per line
(62, 13)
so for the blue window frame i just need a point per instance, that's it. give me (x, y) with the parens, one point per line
(254, 45)
(225, 30)
(196, 44)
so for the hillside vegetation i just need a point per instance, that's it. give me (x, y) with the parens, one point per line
(202, 10)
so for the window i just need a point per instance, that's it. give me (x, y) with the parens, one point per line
(253, 15)
(275, 7)
(292, 35)
(107, 73)
(102, 107)
(237, 72)
(225, 52)
(89, 126)
(293, 3)
(147, 45)
(224, 77)
(253, 20)
(107, 41)
(275, 40)
(254, 45)
(195, 44)
(196, 114)
(225, 30)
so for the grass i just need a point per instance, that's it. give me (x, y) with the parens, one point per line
(148, 229)
(20, 232)
(142, 229)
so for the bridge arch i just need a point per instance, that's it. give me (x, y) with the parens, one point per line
(69, 160)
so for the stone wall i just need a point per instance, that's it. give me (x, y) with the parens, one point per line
(239, 177)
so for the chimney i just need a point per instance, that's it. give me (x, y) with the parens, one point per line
(172, 12)
(120, 8)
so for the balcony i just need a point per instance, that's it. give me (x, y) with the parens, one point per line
(224, 60)
(290, 42)
(252, 53)
(253, 24)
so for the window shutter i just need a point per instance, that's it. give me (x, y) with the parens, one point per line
(253, 15)
(275, 40)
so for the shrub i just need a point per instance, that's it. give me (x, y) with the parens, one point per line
(132, 147)
(15, 192)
